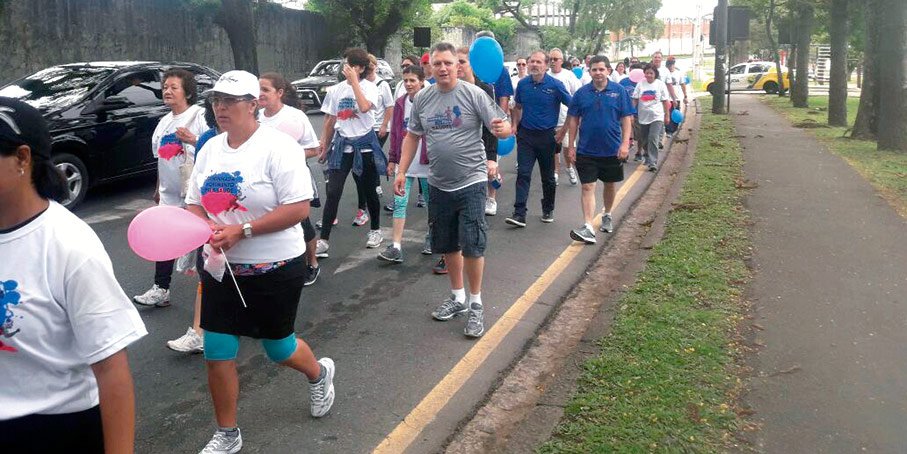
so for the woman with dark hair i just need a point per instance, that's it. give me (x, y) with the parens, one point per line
(620, 73)
(252, 185)
(353, 147)
(173, 144)
(65, 322)
(653, 104)
(279, 110)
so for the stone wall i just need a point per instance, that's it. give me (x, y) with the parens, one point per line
(35, 34)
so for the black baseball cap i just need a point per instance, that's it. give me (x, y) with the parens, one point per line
(22, 124)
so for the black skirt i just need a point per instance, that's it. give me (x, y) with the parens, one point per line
(272, 299)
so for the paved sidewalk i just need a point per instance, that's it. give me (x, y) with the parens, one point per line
(829, 296)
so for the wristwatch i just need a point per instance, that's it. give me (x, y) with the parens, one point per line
(247, 230)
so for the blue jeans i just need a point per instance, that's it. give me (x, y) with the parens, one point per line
(534, 146)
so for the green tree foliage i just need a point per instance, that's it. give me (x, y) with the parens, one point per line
(470, 15)
(370, 22)
(597, 18)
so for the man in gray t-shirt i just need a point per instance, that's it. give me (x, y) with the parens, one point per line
(450, 115)
(451, 121)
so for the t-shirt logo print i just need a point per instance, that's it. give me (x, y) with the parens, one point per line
(221, 192)
(171, 147)
(449, 119)
(9, 297)
(346, 109)
(647, 96)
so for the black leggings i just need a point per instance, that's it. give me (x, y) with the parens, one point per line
(163, 273)
(368, 182)
(360, 189)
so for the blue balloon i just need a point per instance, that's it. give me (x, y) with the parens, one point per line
(505, 146)
(686, 80)
(677, 116)
(578, 71)
(487, 59)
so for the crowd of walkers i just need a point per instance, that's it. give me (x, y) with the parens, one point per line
(240, 163)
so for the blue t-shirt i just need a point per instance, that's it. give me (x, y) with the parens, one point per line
(601, 112)
(541, 102)
(503, 87)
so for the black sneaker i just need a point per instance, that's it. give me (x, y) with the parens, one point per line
(547, 217)
(519, 221)
(311, 275)
(583, 234)
(389, 207)
(391, 254)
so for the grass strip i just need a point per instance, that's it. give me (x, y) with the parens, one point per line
(665, 379)
(885, 170)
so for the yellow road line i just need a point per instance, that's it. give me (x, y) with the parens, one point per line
(425, 412)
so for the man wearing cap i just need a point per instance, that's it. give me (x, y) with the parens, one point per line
(425, 63)
(535, 113)
(601, 113)
(450, 116)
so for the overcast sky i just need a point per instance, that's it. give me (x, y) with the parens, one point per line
(685, 8)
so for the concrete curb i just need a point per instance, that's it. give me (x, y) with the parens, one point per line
(524, 409)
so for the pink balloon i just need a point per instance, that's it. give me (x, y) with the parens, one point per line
(164, 233)
(637, 75)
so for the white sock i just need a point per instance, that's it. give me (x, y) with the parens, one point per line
(397, 245)
(459, 294)
(588, 226)
(475, 298)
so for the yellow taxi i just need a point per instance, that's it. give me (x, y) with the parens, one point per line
(754, 76)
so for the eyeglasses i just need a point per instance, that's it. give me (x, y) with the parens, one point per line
(521, 64)
(555, 58)
(226, 101)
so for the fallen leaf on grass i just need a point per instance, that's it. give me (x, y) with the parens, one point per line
(689, 206)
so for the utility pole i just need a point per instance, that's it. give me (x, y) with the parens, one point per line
(720, 19)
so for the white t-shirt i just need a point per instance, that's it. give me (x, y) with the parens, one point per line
(293, 122)
(650, 98)
(342, 104)
(616, 77)
(586, 77)
(571, 83)
(171, 154)
(416, 168)
(385, 100)
(239, 185)
(401, 90)
(677, 79)
(61, 310)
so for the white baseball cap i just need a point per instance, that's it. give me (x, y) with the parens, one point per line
(236, 83)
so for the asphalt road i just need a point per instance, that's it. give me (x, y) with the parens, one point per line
(371, 317)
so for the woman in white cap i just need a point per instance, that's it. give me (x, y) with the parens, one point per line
(65, 322)
(173, 144)
(252, 185)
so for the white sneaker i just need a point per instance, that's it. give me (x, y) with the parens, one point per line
(221, 443)
(321, 249)
(190, 342)
(491, 206)
(571, 172)
(555, 180)
(321, 394)
(155, 296)
(361, 218)
(374, 239)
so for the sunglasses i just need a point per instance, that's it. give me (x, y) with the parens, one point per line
(226, 101)
(521, 64)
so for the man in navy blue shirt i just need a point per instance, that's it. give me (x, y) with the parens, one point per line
(535, 113)
(602, 112)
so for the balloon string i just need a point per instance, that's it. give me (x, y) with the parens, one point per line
(230, 269)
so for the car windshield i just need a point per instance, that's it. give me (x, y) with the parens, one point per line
(56, 87)
(326, 69)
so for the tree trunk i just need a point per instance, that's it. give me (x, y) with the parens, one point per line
(800, 97)
(837, 87)
(892, 78)
(776, 57)
(866, 125)
(237, 18)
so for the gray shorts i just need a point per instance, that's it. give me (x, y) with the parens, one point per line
(457, 220)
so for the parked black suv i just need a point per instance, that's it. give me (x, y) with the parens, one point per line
(101, 116)
(326, 74)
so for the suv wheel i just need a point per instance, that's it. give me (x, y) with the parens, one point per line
(73, 169)
(771, 87)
